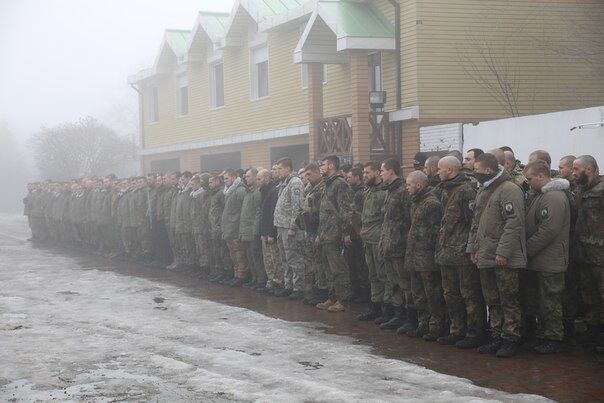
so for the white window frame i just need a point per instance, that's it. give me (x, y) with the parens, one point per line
(372, 73)
(304, 75)
(254, 84)
(213, 99)
(153, 104)
(181, 82)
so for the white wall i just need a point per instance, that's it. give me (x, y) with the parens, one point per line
(550, 132)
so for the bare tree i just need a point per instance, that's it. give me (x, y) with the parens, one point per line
(80, 149)
(491, 66)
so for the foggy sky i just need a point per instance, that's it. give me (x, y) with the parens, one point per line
(65, 59)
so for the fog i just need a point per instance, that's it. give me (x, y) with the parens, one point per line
(63, 60)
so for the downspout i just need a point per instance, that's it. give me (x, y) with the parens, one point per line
(399, 100)
(141, 120)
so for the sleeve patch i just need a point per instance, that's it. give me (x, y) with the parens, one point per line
(509, 208)
(472, 206)
(544, 213)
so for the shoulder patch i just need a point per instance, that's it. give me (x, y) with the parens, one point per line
(509, 208)
(472, 205)
(544, 213)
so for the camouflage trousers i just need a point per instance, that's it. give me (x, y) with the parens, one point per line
(292, 261)
(397, 290)
(339, 272)
(202, 247)
(253, 252)
(542, 299)
(571, 296)
(316, 274)
(592, 290)
(500, 288)
(378, 281)
(129, 240)
(272, 263)
(238, 258)
(429, 301)
(464, 300)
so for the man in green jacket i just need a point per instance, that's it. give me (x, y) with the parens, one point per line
(460, 278)
(249, 229)
(426, 214)
(234, 193)
(547, 239)
(219, 255)
(589, 244)
(497, 246)
(335, 217)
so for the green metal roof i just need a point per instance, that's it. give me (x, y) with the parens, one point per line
(177, 39)
(269, 8)
(214, 23)
(358, 19)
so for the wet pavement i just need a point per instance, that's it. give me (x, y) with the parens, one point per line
(572, 376)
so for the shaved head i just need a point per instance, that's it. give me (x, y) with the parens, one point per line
(499, 154)
(418, 177)
(448, 167)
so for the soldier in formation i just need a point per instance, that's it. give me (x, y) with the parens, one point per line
(475, 250)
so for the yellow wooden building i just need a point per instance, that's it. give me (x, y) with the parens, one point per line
(277, 78)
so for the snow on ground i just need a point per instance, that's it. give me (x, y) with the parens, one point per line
(74, 333)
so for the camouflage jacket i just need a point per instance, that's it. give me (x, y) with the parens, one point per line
(589, 232)
(291, 194)
(397, 219)
(309, 210)
(358, 200)
(216, 205)
(199, 213)
(104, 206)
(249, 222)
(517, 176)
(373, 214)
(138, 206)
(426, 215)
(457, 197)
(335, 210)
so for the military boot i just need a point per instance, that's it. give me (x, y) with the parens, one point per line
(418, 332)
(569, 330)
(470, 342)
(508, 349)
(387, 314)
(491, 347)
(411, 322)
(375, 311)
(325, 305)
(449, 339)
(337, 307)
(549, 347)
(400, 314)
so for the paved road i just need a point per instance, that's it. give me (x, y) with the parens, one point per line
(74, 327)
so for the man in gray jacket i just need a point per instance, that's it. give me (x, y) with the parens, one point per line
(289, 236)
(547, 242)
(497, 246)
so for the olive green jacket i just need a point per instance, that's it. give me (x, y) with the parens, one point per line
(590, 223)
(422, 238)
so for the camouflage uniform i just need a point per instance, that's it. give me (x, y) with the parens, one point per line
(371, 223)
(589, 249)
(547, 234)
(270, 250)
(517, 176)
(393, 244)
(359, 277)
(426, 214)
(200, 226)
(183, 230)
(460, 278)
(498, 229)
(291, 194)
(335, 215)
(316, 273)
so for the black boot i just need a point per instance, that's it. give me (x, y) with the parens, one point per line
(375, 311)
(569, 330)
(508, 349)
(549, 347)
(410, 324)
(470, 342)
(387, 314)
(396, 321)
(492, 347)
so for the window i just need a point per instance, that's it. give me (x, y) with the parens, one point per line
(375, 72)
(182, 96)
(304, 75)
(153, 104)
(219, 162)
(165, 165)
(217, 84)
(259, 72)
